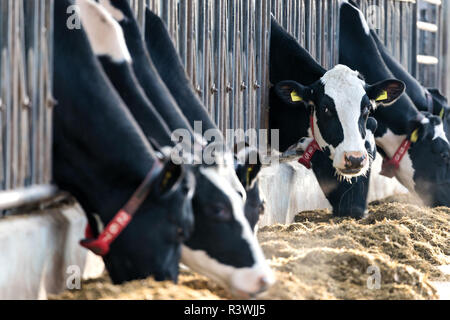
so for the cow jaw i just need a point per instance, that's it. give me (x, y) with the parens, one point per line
(242, 281)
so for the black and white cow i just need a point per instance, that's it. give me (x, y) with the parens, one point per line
(169, 65)
(289, 60)
(340, 103)
(424, 169)
(425, 99)
(101, 156)
(217, 208)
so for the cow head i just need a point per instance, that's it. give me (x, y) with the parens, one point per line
(223, 246)
(340, 104)
(248, 165)
(151, 243)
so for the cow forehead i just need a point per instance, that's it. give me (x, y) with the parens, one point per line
(343, 85)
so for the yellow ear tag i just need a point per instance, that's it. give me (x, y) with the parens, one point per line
(295, 97)
(414, 136)
(441, 114)
(383, 96)
(249, 170)
(166, 179)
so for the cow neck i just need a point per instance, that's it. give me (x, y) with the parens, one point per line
(127, 85)
(101, 244)
(391, 165)
(98, 146)
(312, 147)
(171, 70)
(288, 60)
(150, 80)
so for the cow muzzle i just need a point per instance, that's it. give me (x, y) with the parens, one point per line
(248, 283)
(353, 163)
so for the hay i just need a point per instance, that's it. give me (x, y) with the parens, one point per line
(321, 257)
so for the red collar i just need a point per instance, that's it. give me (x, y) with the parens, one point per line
(101, 244)
(306, 158)
(390, 166)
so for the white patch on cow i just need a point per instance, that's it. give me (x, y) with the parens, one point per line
(104, 33)
(113, 11)
(425, 120)
(439, 132)
(241, 281)
(390, 142)
(347, 90)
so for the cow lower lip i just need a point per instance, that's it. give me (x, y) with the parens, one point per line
(350, 171)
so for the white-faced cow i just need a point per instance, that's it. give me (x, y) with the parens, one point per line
(102, 157)
(337, 105)
(414, 145)
(222, 245)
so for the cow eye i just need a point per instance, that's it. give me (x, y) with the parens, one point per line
(220, 212)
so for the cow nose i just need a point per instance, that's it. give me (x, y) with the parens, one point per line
(264, 283)
(354, 160)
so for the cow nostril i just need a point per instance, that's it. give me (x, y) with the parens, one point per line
(354, 161)
(263, 284)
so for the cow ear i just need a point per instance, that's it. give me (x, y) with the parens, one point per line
(169, 178)
(293, 93)
(385, 92)
(249, 165)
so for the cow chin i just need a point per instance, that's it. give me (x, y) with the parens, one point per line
(243, 283)
(347, 174)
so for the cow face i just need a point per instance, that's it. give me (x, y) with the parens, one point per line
(164, 221)
(341, 102)
(428, 163)
(223, 246)
(248, 164)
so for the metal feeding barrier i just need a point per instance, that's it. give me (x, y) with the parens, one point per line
(25, 101)
(224, 46)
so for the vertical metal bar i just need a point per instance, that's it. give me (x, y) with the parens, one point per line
(244, 61)
(308, 25)
(182, 31)
(414, 41)
(232, 85)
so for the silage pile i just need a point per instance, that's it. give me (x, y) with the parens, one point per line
(321, 257)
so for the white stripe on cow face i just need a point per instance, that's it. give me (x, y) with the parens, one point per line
(104, 33)
(347, 90)
(243, 282)
(439, 132)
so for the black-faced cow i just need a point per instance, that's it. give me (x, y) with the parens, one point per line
(101, 156)
(413, 143)
(289, 113)
(425, 99)
(222, 245)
